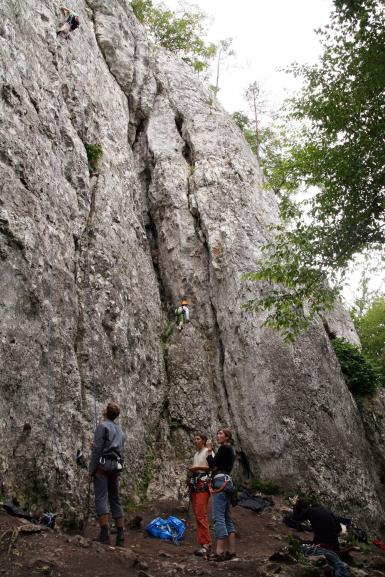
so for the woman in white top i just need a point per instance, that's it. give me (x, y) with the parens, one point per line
(200, 494)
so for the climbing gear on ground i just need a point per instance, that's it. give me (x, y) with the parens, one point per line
(170, 529)
(15, 510)
(80, 459)
(48, 519)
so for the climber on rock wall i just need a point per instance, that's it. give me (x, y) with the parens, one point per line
(182, 314)
(72, 21)
(105, 466)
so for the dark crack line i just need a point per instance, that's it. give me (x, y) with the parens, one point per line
(188, 153)
(140, 131)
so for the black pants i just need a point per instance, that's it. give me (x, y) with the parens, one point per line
(106, 486)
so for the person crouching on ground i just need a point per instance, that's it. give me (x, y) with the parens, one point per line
(105, 466)
(200, 494)
(222, 489)
(323, 522)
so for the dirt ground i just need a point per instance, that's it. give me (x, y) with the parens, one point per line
(54, 553)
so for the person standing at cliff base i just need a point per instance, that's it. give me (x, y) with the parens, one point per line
(222, 489)
(105, 467)
(200, 494)
(71, 23)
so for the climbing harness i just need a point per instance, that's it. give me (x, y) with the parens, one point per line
(221, 488)
(199, 483)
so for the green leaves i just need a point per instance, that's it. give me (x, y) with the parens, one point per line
(94, 155)
(339, 159)
(371, 329)
(359, 375)
(179, 32)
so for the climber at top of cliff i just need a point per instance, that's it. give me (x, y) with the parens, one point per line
(72, 21)
(182, 314)
(324, 523)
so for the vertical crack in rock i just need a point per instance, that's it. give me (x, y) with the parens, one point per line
(83, 251)
(189, 156)
(138, 122)
(146, 164)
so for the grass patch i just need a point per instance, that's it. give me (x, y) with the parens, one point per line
(267, 487)
(94, 154)
(167, 334)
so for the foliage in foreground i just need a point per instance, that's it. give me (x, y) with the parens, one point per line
(360, 376)
(339, 158)
(370, 326)
(180, 32)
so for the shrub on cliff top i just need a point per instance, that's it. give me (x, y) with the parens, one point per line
(361, 378)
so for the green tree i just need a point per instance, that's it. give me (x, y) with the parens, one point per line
(224, 51)
(360, 376)
(180, 32)
(271, 145)
(245, 124)
(339, 157)
(370, 326)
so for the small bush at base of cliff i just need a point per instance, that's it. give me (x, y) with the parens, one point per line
(360, 376)
(266, 487)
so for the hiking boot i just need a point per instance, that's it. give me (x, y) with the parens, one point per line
(231, 556)
(120, 537)
(219, 558)
(104, 536)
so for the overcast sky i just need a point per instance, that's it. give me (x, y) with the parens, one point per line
(268, 35)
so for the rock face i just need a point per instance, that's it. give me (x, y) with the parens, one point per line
(93, 265)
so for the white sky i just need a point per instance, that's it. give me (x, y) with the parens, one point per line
(268, 35)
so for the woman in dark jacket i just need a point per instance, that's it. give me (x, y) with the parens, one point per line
(105, 467)
(222, 489)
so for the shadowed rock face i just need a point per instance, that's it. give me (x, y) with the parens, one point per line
(92, 267)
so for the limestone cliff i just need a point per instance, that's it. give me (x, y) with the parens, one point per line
(92, 266)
